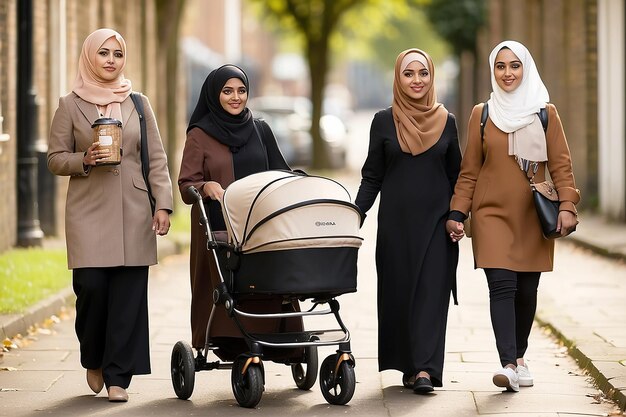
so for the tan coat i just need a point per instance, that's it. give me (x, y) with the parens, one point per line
(108, 221)
(505, 227)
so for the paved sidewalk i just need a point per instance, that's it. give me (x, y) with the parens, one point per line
(581, 303)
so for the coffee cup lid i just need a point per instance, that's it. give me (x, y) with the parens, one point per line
(106, 121)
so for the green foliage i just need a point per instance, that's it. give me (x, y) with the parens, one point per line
(457, 21)
(380, 33)
(30, 275)
(372, 30)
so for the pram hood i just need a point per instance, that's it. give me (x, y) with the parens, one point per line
(280, 210)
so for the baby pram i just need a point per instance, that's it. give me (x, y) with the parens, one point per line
(291, 236)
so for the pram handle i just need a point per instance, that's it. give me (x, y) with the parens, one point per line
(195, 194)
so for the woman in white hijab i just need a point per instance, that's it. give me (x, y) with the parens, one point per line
(493, 185)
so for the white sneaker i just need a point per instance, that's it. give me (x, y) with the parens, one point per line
(507, 378)
(525, 378)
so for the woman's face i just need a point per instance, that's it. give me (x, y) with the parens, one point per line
(234, 96)
(415, 80)
(109, 60)
(508, 70)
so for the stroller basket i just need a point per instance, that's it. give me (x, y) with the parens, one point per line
(292, 234)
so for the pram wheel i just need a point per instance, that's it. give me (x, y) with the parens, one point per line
(183, 370)
(247, 386)
(337, 388)
(306, 379)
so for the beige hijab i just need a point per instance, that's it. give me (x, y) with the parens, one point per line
(94, 89)
(419, 123)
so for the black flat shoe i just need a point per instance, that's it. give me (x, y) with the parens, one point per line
(422, 385)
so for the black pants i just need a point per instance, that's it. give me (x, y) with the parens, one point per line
(512, 302)
(112, 321)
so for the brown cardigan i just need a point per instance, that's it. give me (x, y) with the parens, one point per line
(505, 227)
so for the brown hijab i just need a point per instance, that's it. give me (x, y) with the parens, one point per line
(419, 123)
(90, 87)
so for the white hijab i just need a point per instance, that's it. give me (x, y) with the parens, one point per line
(515, 112)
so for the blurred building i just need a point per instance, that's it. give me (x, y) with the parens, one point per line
(579, 47)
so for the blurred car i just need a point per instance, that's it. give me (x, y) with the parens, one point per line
(290, 120)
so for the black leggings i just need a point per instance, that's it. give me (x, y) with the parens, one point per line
(513, 302)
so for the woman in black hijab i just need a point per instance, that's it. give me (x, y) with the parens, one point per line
(224, 143)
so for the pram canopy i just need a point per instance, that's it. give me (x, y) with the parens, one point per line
(282, 210)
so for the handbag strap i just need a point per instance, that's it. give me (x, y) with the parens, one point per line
(543, 117)
(145, 156)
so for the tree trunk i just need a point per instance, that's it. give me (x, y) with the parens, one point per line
(318, 67)
(169, 14)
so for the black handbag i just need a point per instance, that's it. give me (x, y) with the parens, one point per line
(547, 204)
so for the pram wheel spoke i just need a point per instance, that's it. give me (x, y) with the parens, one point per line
(183, 370)
(337, 381)
(247, 382)
(305, 379)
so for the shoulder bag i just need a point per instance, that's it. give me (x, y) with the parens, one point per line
(145, 156)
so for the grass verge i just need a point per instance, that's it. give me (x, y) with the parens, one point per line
(30, 275)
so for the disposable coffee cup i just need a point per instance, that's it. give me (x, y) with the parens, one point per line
(108, 132)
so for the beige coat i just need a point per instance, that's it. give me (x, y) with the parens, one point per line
(505, 227)
(107, 217)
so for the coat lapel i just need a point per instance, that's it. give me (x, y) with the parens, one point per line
(89, 110)
(128, 107)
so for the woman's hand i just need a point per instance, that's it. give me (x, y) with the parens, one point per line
(161, 222)
(455, 230)
(93, 155)
(566, 222)
(213, 190)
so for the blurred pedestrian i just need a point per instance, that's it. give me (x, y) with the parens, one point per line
(494, 186)
(413, 162)
(224, 143)
(109, 225)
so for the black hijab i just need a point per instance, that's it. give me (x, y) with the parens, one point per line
(210, 116)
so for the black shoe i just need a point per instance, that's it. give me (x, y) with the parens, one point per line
(422, 385)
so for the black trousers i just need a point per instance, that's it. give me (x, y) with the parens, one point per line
(512, 304)
(112, 321)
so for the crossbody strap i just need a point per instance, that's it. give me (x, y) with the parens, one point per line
(484, 115)
(145, 156)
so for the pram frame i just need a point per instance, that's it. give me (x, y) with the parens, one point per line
(221, 295)
(336, 374)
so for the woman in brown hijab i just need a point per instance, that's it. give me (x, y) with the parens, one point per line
(110, 229)
(413, 162)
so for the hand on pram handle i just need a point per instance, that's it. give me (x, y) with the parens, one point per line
(195, 194)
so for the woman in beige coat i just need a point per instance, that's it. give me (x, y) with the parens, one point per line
(494, 186)
(109, 227)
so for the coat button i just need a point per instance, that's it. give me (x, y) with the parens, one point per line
(116, 171)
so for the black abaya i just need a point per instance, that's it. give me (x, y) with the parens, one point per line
(415, 259)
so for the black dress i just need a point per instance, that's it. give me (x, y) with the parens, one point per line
(415, 260)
